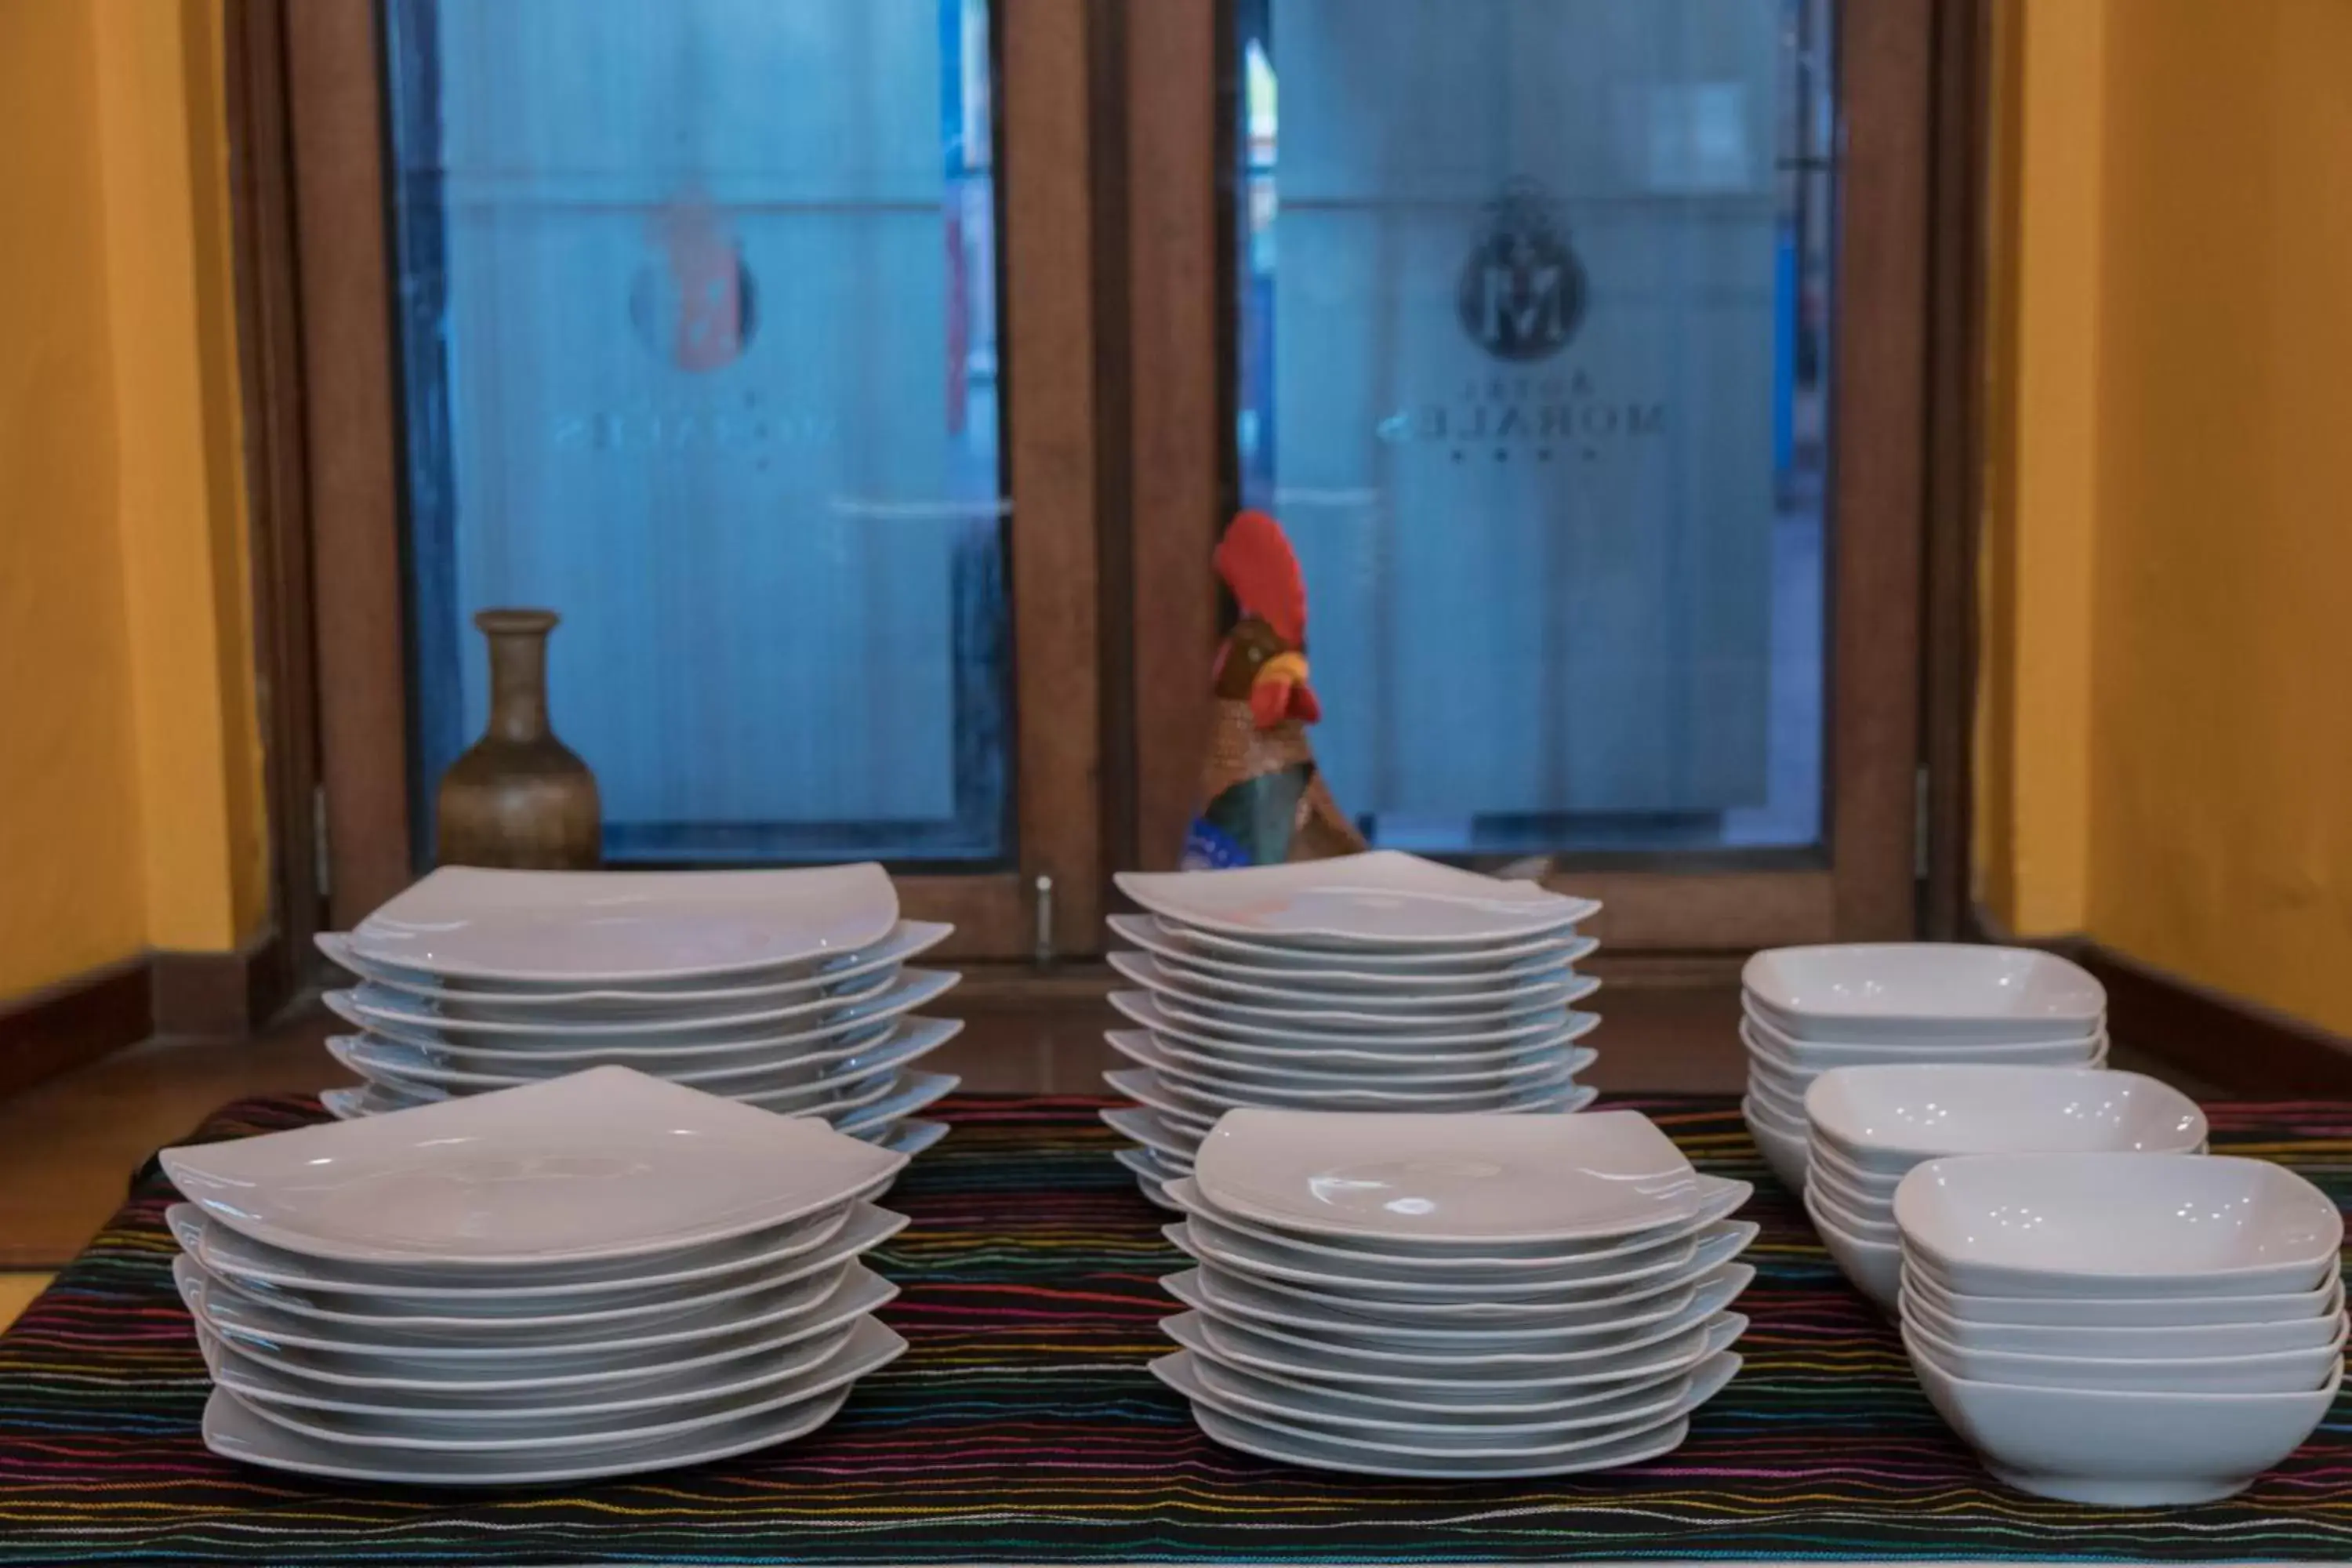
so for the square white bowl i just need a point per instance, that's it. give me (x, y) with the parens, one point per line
(2125, 1312)
(2117, 1450)
(1876, 1185)
(1467, 1179)
(2116, 1224)
(1381, 898)
(1888, 1119)
(1875, 1212)
(1769, 1042)
(2284, 1372)
(607, 1163)
(626, 928)
(1859, 1223)
(2191, 1341)
(1783, 1149)
(1785, 1103)
(1875, 1267)
(1893, 990)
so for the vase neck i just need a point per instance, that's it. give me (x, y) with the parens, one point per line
(518, 681)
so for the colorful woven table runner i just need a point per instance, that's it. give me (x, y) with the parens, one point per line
(1023, 1427)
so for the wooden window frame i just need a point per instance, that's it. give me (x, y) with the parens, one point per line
(1115, 242)
(333, 97)
(1887, 82)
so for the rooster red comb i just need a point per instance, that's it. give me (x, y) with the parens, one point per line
(1257, 562)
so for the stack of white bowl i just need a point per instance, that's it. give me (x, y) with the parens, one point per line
(1374, 982)
(1810, 1009)
(787, 990)
(600, 1275)
(1452, 1296)
(2131, 1329)
(1871, 1124)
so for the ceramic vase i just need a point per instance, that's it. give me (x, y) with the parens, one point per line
(518, 796)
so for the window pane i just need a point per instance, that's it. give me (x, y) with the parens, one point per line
(1531, 366)
(698, 336)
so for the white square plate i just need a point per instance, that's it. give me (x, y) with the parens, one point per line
(1380, 980)
(604, 1163)
(1381, 898)
(2116, 1224)
(372, 1007)
(1156, 1014)
(751, 1069)
(626, 928)
(795, 1408)
(1460, 1178)
(258, 1377)
(1440, 968)
(1279, 1005)
(678, 1000)
(865, 1347)
(1883, 992)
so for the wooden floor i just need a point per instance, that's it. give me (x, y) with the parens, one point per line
(68, 1147)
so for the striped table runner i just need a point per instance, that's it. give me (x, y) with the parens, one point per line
(1023, 1427)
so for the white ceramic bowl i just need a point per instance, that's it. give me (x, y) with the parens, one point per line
(2284, 1372)
(2134, 1312)
(1846, 1201)
(1786, 1104)
(1876, 1267)
(1890, 1118)
(1879, 991)
(1769, 1039)
(1855, 1222)
(2116, 1224)
(1784, 1150)
(2178, 1341)
(2120, 1449)
(1877, 1186)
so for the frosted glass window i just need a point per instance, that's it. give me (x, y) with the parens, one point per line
(697, 317)
(1533, 313)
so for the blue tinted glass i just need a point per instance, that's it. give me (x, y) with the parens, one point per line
(1532, 366)
(697, 310)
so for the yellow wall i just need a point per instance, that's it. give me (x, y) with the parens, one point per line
(69, 831)
(2180, 296)
(131, 804)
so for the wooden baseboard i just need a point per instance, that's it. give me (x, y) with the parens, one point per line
(2238, 1045)
(222, 995)
(205, 995)
(63, 1026)
(2233, 1044)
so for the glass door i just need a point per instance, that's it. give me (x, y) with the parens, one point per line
(704, 339)
(1537, 319)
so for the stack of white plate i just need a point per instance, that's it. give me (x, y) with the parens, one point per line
(1375, 982)
(1442, 1295)
(1871, 1125)
(2133, 1330)
(597, 1276)
(786, 990)
(1810, 1009)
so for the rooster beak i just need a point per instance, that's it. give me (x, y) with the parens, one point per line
(1288, 666)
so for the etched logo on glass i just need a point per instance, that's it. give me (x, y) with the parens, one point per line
(695, 306)
(1522, 292)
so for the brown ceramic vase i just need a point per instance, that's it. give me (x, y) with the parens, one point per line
(519, 797)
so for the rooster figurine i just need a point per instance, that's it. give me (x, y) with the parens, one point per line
(1266, 802)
